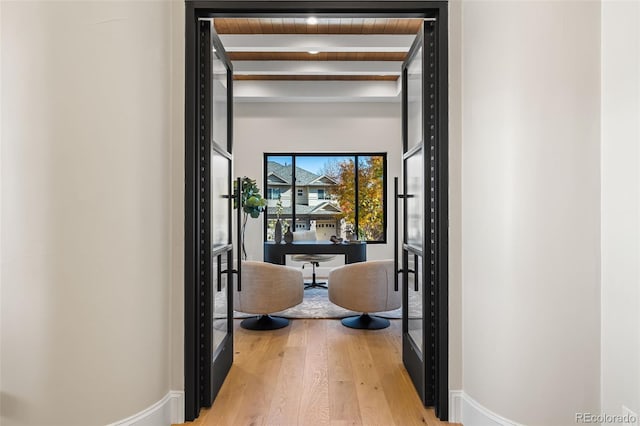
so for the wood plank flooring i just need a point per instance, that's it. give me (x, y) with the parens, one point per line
(315, 373)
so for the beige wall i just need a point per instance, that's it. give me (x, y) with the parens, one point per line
(620, 206)
(177, 194)
(531, 208)
(85, 210)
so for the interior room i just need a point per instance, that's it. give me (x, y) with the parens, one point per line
(543, 220)
(344, 99)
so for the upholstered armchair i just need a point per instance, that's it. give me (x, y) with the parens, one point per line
(365, 287)
(267, 288)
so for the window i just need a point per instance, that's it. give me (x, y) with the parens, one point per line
(322, 195)
(334, 194)
(273, 193)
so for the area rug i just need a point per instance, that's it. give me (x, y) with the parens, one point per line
(316, 304)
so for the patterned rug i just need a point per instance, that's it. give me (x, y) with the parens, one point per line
(316, 304)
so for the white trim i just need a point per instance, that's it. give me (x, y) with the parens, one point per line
(169, 410)
(456, 398)
(466, 410)
(177, 407)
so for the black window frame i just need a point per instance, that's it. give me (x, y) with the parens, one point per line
(294, 188)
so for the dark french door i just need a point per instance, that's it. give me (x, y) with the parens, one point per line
(209, 280)
(209, 275)
(423, 251)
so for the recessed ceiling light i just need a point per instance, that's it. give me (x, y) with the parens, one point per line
(313, 52)
(312, 20)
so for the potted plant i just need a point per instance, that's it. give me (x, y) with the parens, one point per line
(252, 205)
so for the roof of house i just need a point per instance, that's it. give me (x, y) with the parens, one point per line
(281, 174)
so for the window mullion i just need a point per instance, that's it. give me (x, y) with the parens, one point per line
(293, 191)
(356, 200)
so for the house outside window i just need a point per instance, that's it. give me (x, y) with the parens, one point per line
(333, 193)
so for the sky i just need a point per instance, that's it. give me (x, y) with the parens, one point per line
(313, 164)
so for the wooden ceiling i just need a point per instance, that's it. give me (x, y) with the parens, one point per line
(324, 26)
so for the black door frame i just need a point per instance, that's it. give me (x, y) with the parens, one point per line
(210, 9)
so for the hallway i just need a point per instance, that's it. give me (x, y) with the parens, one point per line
(317, 372)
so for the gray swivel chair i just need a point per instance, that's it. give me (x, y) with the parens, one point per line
(267, 288)
(365, 287)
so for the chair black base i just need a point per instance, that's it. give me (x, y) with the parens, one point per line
(366, 322)
(264, 322)
(314, 284)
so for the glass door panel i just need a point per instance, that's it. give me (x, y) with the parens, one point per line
(220, 201)
(220, 302)
(221, 247)
(415, 321)
(414, 181)
(414, 100)
(220, 101)
(415, 290)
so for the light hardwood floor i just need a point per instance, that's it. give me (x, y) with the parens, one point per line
(317, 372)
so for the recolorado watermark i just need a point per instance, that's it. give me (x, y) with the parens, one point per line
(603, 418)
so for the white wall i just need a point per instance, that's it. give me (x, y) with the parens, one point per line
(455, 195)
(531, 208)
(85, 211)
(316, 127)
(620, 206)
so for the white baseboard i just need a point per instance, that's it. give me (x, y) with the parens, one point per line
(466, 410)
(177, 407)
(169, 410)
(455, 406)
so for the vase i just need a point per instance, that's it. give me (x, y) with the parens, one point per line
(288, 236)
(277, 236)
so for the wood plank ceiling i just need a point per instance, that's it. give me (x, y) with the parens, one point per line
(298, 28)
(323, 26)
